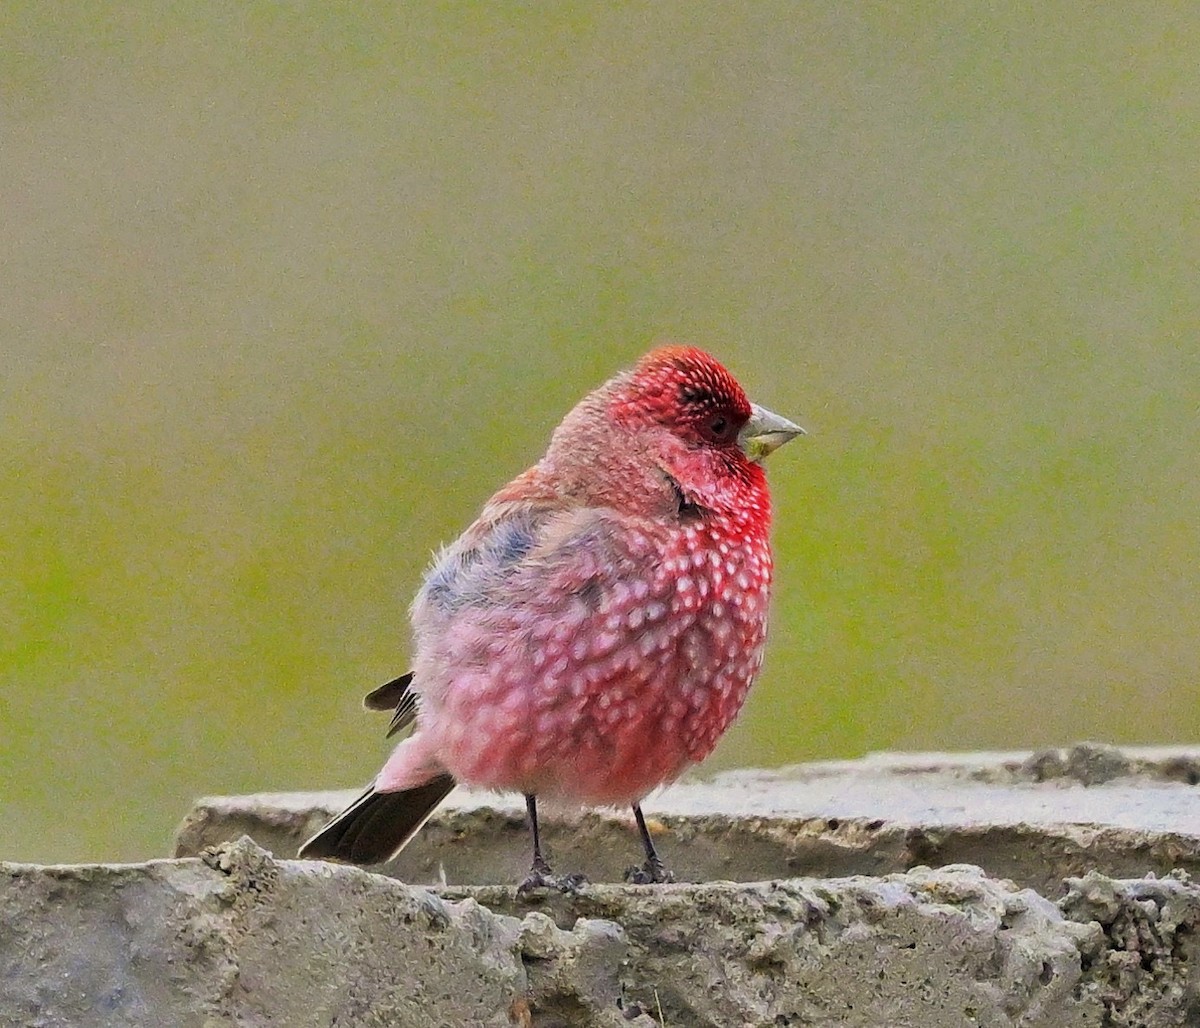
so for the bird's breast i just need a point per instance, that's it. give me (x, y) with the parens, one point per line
(721, 581)
(604, 687)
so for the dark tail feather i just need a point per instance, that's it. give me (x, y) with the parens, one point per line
(398, 697)
(378, 825)
(388, 695)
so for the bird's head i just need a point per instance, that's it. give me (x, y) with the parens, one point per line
(676, 428)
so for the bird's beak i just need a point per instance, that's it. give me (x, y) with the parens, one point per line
(765, 432)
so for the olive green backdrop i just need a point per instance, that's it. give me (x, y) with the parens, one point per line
(288, 289)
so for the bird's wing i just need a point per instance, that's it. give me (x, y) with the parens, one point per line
(466, 574)
(484, 559)
(530, 560)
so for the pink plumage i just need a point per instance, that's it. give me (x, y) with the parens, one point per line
(597, 628)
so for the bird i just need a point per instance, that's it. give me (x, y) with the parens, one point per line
(596, 629)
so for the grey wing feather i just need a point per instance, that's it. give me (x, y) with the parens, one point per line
(468, 572)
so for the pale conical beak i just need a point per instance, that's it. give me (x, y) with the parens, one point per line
(765, 432)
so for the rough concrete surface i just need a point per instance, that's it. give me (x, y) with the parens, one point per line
(1035, 818)
(239, 938)
(1074, 915)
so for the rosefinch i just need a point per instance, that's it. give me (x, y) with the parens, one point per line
(594, 632)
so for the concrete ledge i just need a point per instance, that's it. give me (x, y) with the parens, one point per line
(1034, 818)
(227, 934)
(238, 937)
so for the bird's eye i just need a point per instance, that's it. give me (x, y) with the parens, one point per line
(720, 428)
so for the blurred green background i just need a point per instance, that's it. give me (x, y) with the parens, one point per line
(289, 289)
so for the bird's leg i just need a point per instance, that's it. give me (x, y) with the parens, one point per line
(540, 876)
(654, 871)
(539, 868)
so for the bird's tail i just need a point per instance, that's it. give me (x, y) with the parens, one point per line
(378, 825)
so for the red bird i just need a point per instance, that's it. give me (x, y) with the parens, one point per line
(594, 632)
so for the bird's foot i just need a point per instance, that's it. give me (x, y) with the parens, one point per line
(541, 877)
(653, 872)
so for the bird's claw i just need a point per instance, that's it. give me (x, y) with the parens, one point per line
(653, 872)
(573, 882)
(544, 878)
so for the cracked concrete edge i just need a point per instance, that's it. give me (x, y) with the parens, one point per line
(238, 937)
